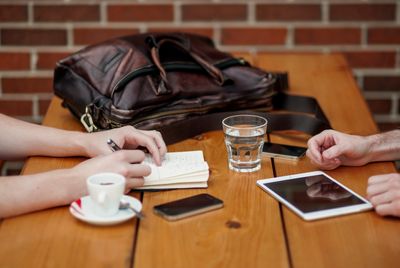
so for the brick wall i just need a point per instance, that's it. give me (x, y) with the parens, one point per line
(35, 34)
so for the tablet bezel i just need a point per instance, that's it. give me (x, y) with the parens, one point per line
(309, 216)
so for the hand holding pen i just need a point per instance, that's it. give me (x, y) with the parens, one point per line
(146, 141)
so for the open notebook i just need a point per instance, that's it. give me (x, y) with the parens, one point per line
(178, 170)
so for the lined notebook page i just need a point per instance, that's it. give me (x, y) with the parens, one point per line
(176, 165)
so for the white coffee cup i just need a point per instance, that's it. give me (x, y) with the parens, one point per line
(106, 191)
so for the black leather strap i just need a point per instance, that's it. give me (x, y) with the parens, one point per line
(300, 114)
(300, 104)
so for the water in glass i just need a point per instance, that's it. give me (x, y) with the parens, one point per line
(244, 148)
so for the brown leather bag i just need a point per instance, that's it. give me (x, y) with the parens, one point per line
(177, 83)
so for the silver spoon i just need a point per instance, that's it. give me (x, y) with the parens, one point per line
(123, 204)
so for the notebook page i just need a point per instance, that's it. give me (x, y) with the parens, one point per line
(176, 164)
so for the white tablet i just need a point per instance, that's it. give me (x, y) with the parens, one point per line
(314, 195)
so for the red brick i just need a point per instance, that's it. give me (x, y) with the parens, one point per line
(253, 36)
(217, 12)
(388, 126)
(14, 61)
(85, 36)
(288, 12)
(371, 59)
(382, 83)
(380, 106)
(140, 12)
(13, 13)
(16, 107)
(362, 12)
(33, 37)
(327, 36)
(201, 31)
(27, 85)
(48, 60)
(384, 35)
(43, 106)
(59, 13)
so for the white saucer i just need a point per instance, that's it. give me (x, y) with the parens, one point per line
(82, 209)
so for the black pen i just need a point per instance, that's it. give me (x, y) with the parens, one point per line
(114, 147)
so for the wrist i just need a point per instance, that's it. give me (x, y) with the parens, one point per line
(80, 142)
(73, 185)
(373, 143)
(384, 146)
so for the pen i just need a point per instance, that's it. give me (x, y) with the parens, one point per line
(114, 147)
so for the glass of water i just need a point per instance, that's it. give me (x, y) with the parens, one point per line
(244, 139)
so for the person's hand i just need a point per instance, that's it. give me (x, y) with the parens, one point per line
(384, 193)
(127, 138)
(124, 162)
(331, 148)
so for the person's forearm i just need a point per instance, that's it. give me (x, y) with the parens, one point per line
(20, 139)
(23, 194)
(385, 146)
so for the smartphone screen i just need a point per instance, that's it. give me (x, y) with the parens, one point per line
(282, 150)
(189, 206)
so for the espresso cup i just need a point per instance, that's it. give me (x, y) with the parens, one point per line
(106, 191)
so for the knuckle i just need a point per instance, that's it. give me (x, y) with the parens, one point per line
(128, 129)
(123, 171)
(309, 143)
(371, 179)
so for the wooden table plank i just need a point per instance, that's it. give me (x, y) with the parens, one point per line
(211, 239)
(246, 232)
(53, 238)
(359, 240)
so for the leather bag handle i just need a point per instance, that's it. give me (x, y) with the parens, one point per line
(213, 71)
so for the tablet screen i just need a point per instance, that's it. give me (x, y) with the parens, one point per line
(314, 193)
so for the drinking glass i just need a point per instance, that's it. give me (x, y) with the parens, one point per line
(244, 139)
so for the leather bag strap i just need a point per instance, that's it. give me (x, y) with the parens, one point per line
(301, 114)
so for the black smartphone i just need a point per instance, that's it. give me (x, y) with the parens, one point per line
(189, 206)
(283, 150)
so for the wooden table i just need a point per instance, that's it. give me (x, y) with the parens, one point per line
(252, 230)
